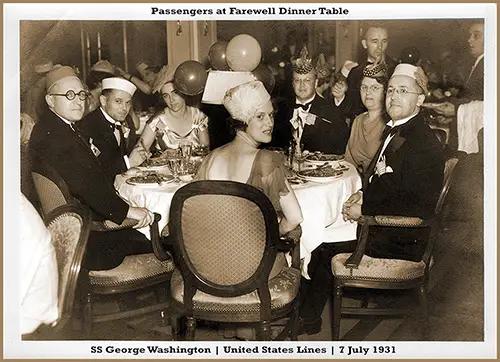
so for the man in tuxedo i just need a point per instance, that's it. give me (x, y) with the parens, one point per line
(406, 175)
(57, 142)
(107, 127)
(405, 178)
(309, 120)
(346, 94)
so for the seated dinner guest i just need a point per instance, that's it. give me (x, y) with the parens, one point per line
(367, 128)
(57, 142)
(107, 127)
(308, 119)
(175, 124)
(241, 160)
(406, 175)
(38, 271)
(405, 178)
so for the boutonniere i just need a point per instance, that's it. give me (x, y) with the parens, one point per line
(310, 119)
(94, 148)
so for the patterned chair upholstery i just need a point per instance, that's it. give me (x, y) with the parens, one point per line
(361, 271)
(69, 226)
(226, 240)
(136, 272)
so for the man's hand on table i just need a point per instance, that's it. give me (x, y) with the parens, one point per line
(351, 209)
(143, 216)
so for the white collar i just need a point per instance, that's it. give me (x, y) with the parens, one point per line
(109, 118)
(307, 101)
(478, 60)
(399, 122)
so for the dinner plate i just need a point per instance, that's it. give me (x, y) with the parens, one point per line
(154, 164)
(310, 176)
(150, 180)
(321, 158)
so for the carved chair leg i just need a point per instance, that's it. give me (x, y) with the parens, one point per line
(190, 328)
(424, 311)
(336, 309)
(265, 330)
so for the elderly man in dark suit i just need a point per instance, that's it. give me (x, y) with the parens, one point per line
(309, 119)
(404, 178)
(57, 142)
(109, 127)
(346, 94)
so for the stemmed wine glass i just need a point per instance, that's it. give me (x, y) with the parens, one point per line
(175, 164)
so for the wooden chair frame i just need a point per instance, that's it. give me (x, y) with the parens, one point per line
(193, 281)
(420, 283)
(53, 192)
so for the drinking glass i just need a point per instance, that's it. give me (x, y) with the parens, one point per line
(186, 150)
(175, 164)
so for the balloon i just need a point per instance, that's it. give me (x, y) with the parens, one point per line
(217, 55)
(190, 78)
(265, 75)
(410, 55)
(243, 53)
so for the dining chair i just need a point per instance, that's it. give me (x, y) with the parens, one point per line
(69, 226)
(135, 273)
(361, 271)
(226, 240)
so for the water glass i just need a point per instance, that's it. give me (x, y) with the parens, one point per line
(186, 150)
(175, 165)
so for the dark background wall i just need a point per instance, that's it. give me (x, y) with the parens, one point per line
(61, 41)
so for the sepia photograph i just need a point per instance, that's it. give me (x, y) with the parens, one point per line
(250, 180)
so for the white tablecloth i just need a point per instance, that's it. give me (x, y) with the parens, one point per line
(321, 205)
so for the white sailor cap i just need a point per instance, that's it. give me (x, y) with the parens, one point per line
(119, 83)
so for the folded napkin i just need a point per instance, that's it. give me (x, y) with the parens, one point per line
(470, 119)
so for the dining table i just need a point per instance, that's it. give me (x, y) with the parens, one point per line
(320, 200)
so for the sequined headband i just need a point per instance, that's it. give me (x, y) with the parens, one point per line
(375, 71)
(303, 64)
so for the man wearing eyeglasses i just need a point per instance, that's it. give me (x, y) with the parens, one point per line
(108, 126)
(404, 178)
(406, 175)
(57, 142)
(309, 119)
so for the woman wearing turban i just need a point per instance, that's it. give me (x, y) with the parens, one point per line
(241, 160)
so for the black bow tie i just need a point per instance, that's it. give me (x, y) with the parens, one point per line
(116, 126)
(303, 106)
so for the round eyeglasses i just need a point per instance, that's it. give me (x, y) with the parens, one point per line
(71, 94)
(372, 88)
(399, 91)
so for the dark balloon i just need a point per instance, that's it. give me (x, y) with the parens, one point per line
(410, 55)
(243, 53)
(264, 74)
(190, 78)
(217, 55)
